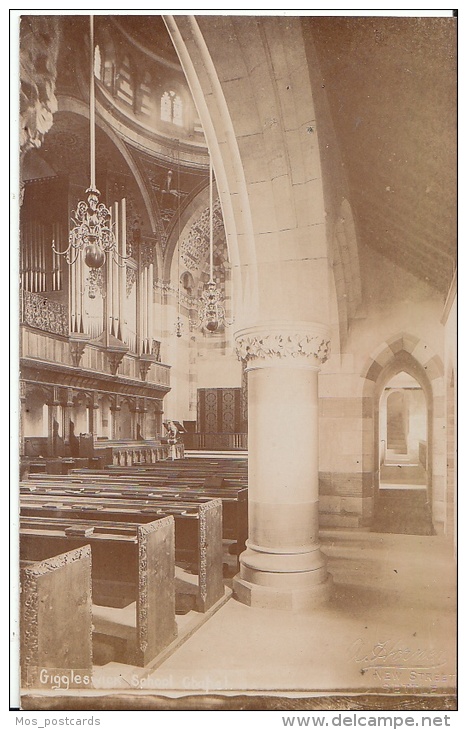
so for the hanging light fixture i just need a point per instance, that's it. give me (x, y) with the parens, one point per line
(178, 323)
(211, 311)
(92, 232)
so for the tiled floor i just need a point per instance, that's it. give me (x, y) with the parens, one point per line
(390, 627)
(391, 624)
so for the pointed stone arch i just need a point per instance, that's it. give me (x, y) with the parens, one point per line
(406, 352)
(267, 162)
(346, 268)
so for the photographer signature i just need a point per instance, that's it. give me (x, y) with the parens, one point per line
(394, 653)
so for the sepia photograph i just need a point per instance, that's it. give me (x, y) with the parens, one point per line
(234, 258)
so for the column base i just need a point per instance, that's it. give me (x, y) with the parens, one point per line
(282, 599)
(292, 581)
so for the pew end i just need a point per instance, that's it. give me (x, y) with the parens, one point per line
(56, 643)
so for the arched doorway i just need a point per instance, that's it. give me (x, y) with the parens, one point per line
(403, 424)
(125, 424)
(104, 416)
(405, 353)
(402, 500)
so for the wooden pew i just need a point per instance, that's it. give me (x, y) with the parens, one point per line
(234, 499)
(188, 467)
(136, 561)
(54, 640)
(198, 531)
(176, 478)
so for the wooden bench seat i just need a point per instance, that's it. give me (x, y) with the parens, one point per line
(130, 562)
(228, 481)
(234, 499)
(198, 530)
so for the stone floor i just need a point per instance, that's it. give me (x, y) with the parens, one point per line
(390, 625)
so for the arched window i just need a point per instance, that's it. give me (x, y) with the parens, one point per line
(97, 63)
(177, 109)
(104, 63)
(187, 282)
(172, 108)
(124, 87)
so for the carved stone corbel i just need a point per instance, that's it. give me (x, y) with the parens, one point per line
(77, 348)
(114, 358)
(145, 362)
(56, 396)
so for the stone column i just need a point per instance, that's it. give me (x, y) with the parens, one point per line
(67, 413)
(115, 409)
(22, 406)
(93, 409)
(142, 417)
(283, 567)
(135, 418)
(52, 429)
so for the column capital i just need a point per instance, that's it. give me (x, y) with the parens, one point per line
(296, 344)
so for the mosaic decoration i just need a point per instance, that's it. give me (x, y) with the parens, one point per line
(195, 246)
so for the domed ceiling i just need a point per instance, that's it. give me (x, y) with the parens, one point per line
(391, 91)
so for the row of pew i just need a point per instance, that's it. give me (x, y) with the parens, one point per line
(157, 541)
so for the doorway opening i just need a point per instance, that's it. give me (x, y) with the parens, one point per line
(402, 500)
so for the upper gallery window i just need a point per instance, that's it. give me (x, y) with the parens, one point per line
(97, 63)
(124, 87)
(104, 64)
(172, 108)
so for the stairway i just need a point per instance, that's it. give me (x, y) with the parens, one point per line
(398, 446)
(402, 474)
(403, 512)
(397, 441)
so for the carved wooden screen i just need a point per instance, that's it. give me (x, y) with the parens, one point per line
(219, 410)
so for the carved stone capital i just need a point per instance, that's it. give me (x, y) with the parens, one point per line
(298, 344)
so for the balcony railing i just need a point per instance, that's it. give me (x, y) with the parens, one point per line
(47, 346)
(43, 314)
(216, 441)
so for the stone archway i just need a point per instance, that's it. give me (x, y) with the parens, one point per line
(268, 171)
(266, 163)
(404, 352)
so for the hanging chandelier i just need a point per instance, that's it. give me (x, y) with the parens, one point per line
(92, 233)
(178, 323)
(211, 310)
